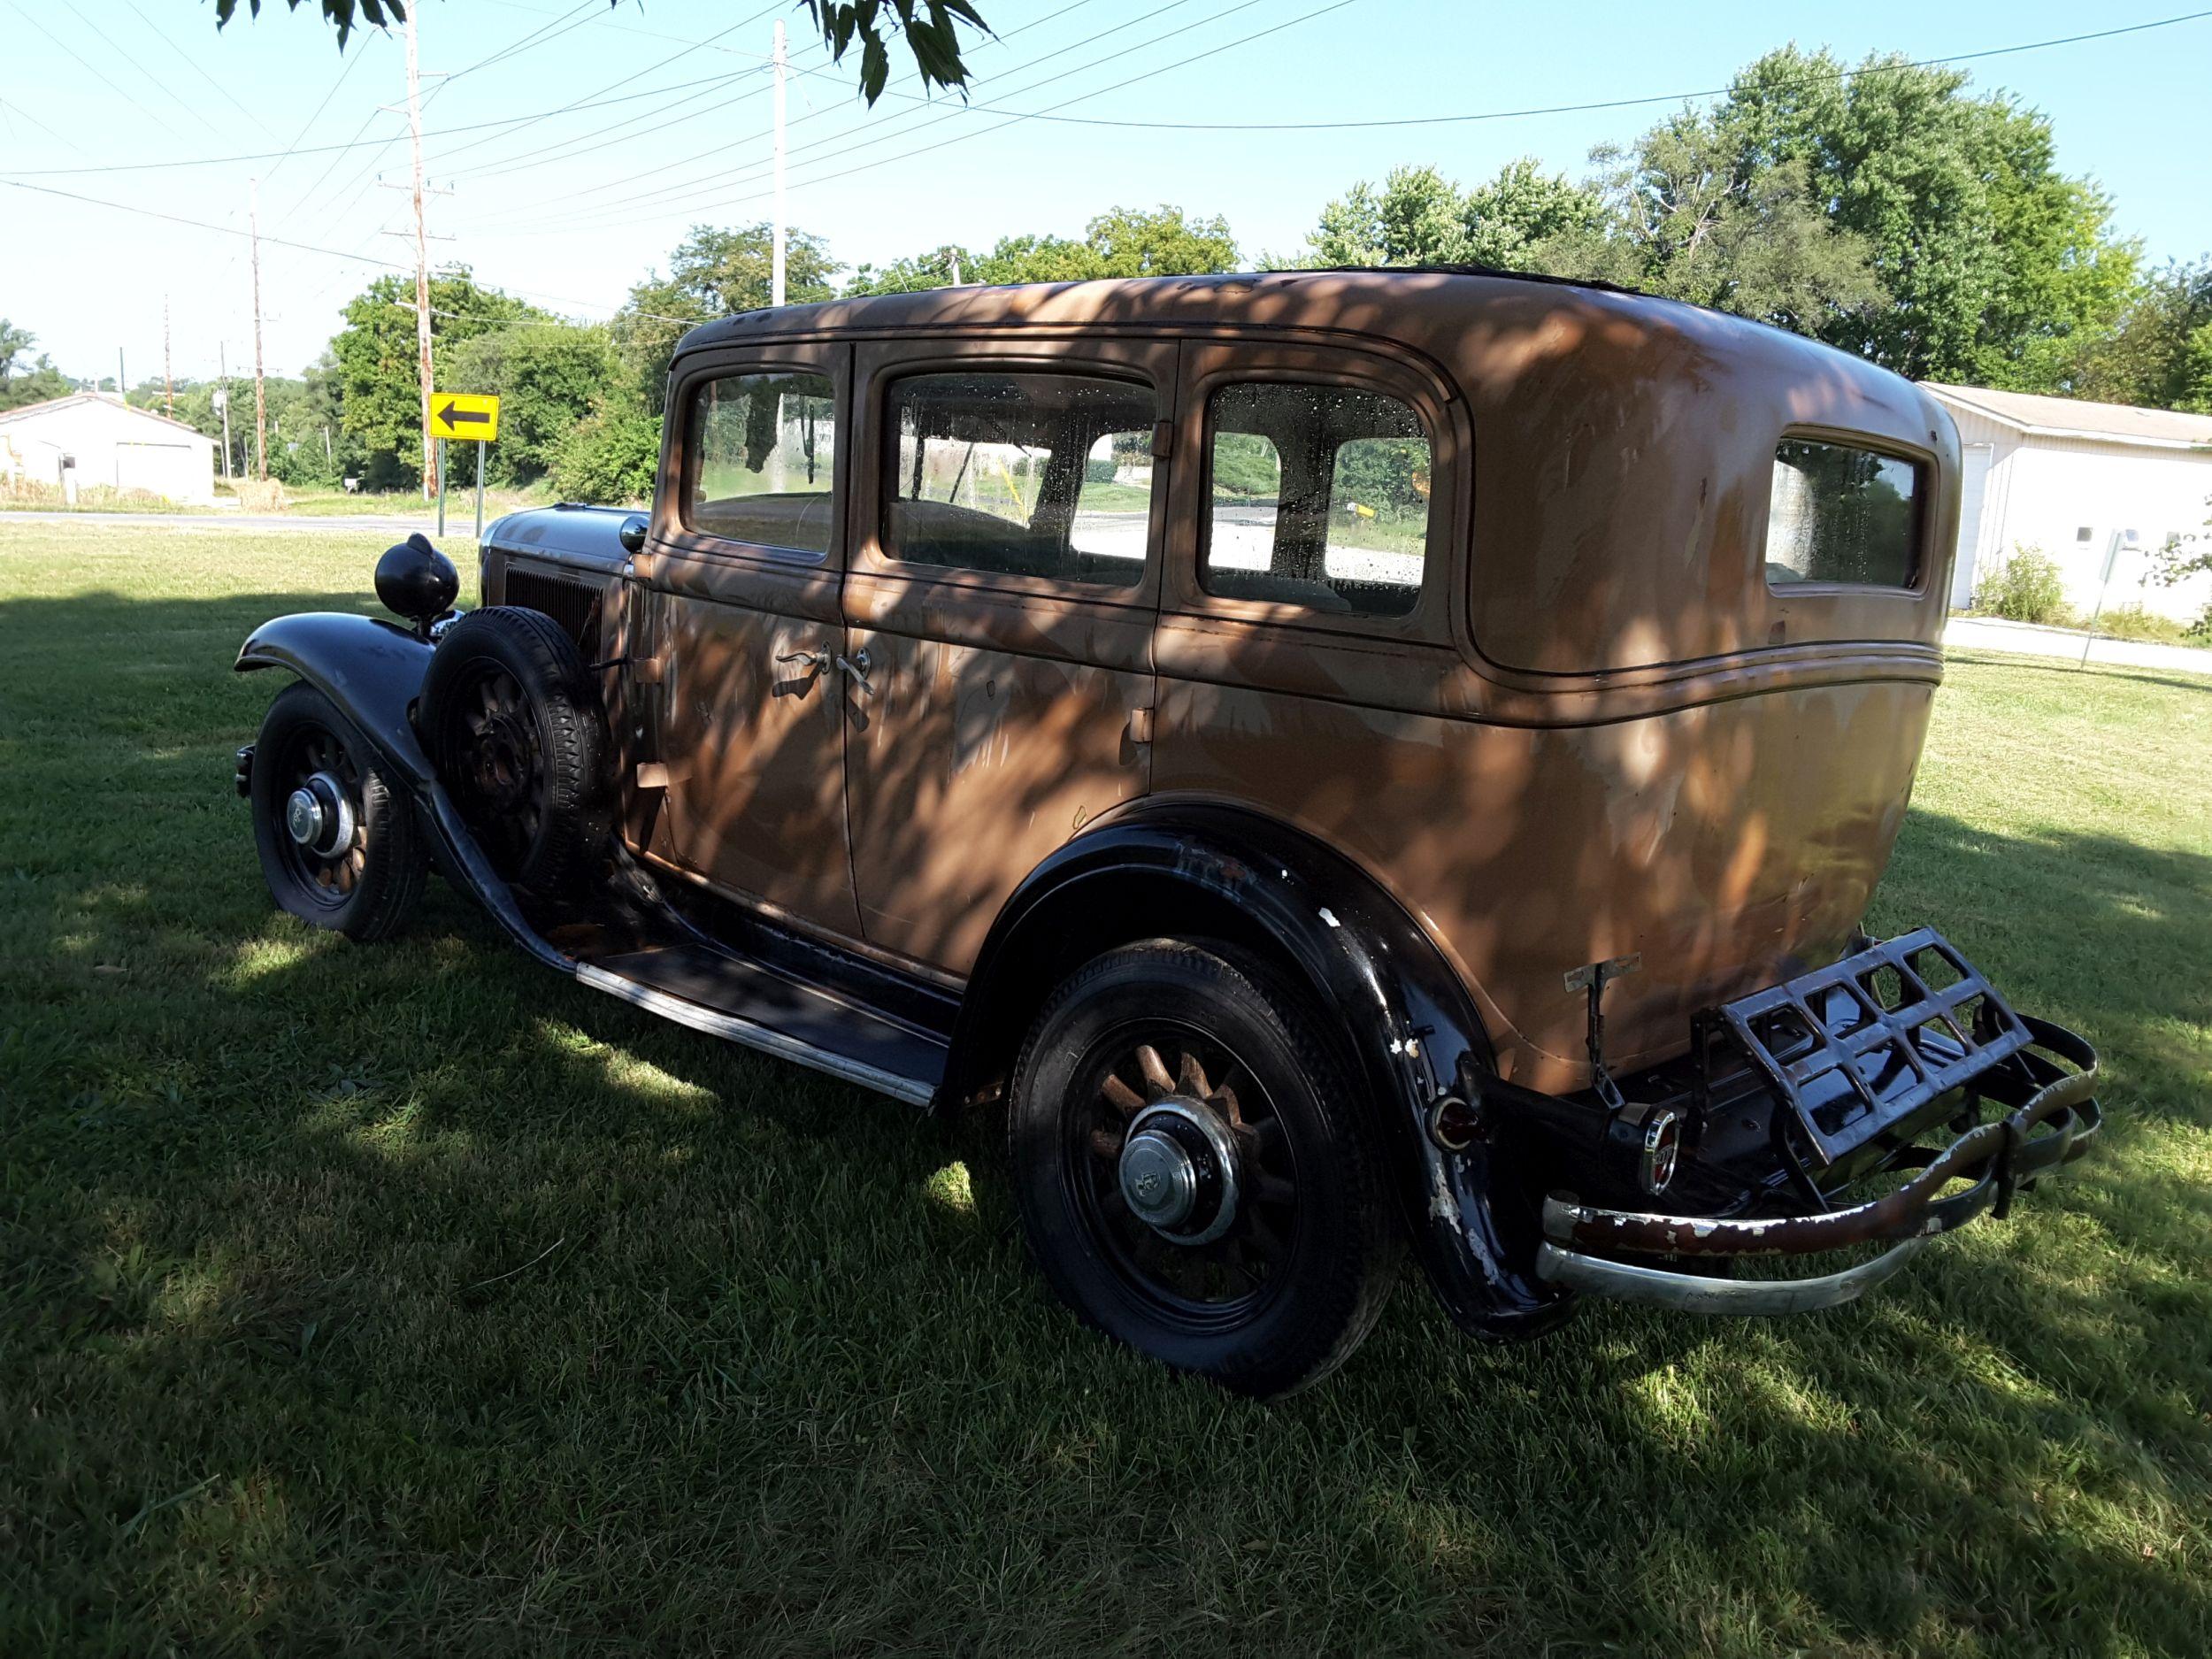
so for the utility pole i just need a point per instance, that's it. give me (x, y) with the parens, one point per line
(431, 484)
(122, 386)
(168, 387)
(260, 398)
(222, 400)
(775, 269)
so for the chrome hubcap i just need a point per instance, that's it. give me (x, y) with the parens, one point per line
(317, 816)
(1179, 1172)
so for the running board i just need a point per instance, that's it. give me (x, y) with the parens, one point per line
(749, 1003)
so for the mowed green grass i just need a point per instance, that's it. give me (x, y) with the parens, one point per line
(407, 1298)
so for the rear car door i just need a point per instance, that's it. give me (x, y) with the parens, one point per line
(1007, 519)
(740, 579)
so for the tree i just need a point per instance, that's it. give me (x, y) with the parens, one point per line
(14, 342)
(2160, 353)
(1419, 217)
(1993, 266)
(1690, 218)
(932, 29)
(712, 273)
(549, 378)
(1123, 242)
(378, 374)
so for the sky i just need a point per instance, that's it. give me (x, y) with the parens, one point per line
(598, 134)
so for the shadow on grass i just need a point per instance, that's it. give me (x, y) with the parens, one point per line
(371, 1295)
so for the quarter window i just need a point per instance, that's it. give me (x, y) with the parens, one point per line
(1842, 514)
(1320, 497)
(758, 460)
(1021, 474)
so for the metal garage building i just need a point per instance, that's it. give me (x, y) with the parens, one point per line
(2065, 476)
(106, 441)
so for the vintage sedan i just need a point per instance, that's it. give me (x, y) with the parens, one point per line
(1335, 761)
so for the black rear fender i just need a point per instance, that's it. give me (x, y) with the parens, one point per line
(1406, 1022)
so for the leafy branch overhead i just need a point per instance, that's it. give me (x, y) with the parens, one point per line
(932, 28)
(932, 31)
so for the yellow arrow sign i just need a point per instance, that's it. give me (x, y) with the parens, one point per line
(470, 415)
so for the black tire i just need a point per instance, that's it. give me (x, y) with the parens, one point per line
(364, 874)
(1288, 1291)
(515, 727)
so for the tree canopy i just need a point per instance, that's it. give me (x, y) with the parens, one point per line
(1124, 242)
(712, 273)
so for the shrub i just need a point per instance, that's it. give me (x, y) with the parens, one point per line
(2024, 587)
(2139, 622)
(609, 458)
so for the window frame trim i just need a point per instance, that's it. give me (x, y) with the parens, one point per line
(1214, 387)
(670, 534)
(886, 474)
(1927, 485)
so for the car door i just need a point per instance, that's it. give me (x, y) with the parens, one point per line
(1007, 516)
(740, 586)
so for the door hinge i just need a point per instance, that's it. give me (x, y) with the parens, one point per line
(646, 670)
(1162, 439)
(1140, 725)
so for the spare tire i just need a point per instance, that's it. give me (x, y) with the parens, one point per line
(513, 723)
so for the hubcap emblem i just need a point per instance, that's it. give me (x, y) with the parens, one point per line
(304, 818)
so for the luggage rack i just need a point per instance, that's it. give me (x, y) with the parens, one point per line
(1863, 1044)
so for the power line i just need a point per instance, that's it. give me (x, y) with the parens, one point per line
(1609, 103)
(960, 138)
(720, 178)
(304, 247)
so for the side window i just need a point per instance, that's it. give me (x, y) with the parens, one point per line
(1020, 475)
(1320, 497)
(1839, 514)
(759, 450)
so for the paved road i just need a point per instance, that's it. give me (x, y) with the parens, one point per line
(1983, 634)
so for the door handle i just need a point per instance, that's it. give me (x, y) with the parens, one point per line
(857, 665)
(817, 662)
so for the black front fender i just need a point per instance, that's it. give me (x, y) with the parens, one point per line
(372, 671)
(1167, 868)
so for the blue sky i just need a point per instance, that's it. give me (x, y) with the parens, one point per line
(571, 208)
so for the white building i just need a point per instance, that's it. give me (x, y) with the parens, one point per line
(103, 441)
(2063, 475)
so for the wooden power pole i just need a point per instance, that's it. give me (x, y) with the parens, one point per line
(168, 387)
(776, 257)
(260, 398)
(431, 484)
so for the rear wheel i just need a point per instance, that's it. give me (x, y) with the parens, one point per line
(338, 843)
(1190, 1173)
(514, 726)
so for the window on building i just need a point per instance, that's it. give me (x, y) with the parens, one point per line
(1842, 514)
(1021, 474)
(758, 460)
(1320, 497)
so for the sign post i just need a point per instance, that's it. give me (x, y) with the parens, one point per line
(473, 417)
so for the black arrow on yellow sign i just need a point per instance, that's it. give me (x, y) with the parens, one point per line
(456, 417)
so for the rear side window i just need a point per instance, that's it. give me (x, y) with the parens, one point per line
(1843, 515)
(1021, 474)
(1320, 497)
(757, 455)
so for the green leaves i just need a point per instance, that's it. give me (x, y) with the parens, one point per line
(932, 28)
(340, 14)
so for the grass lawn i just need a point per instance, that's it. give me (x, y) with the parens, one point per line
(399, 1299)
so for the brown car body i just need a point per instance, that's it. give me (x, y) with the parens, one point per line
(1598, 744)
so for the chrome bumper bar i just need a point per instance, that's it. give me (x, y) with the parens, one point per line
(2055, 1124)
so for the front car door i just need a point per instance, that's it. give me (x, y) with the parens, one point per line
(1007, 516)
(741, 590)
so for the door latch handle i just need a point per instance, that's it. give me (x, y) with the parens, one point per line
(857, 665)
(817, 662)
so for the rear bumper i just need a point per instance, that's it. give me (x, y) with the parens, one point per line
(2040, 1078)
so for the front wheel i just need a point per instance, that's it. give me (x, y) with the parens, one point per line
(338, 843)
(1191, 1172)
